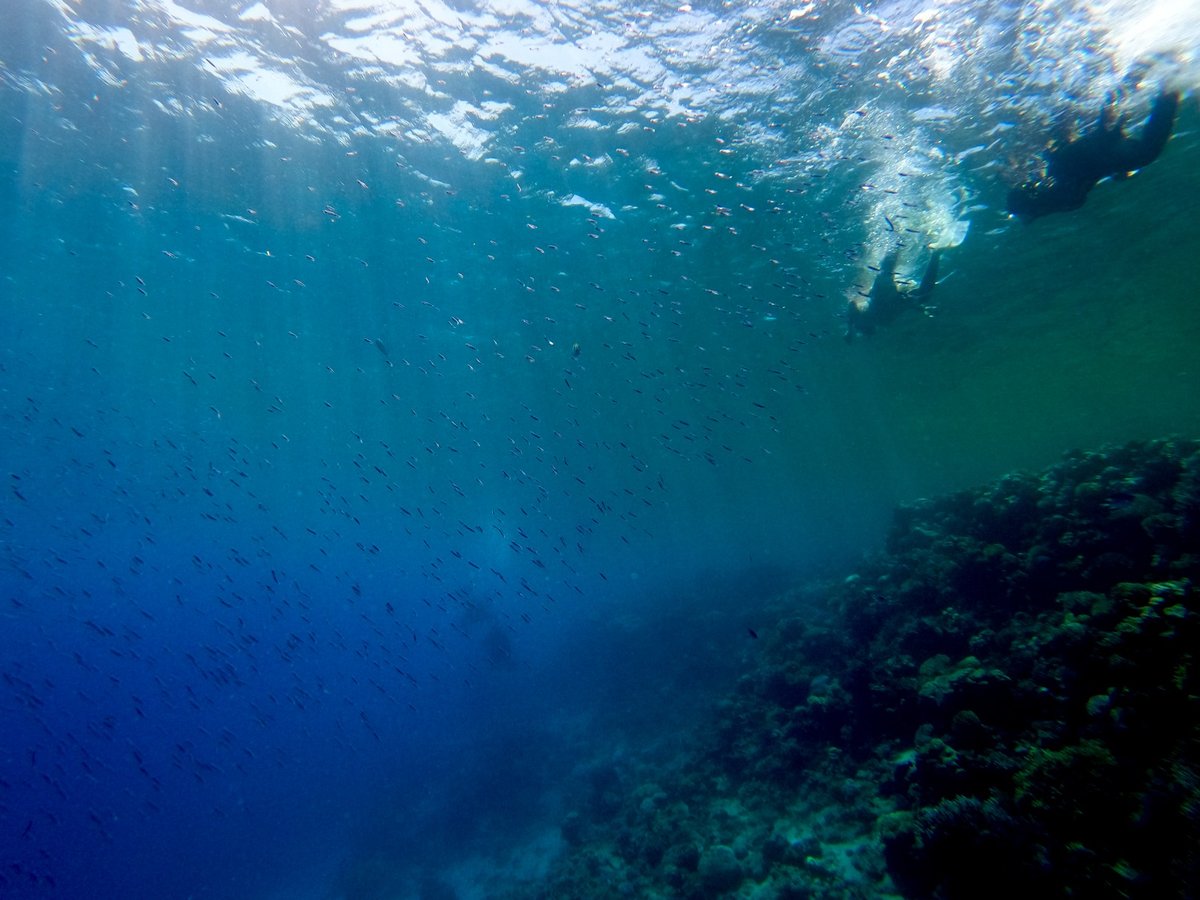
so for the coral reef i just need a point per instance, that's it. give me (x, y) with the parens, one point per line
(1005, 700)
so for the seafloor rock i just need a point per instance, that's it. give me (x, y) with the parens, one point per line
(1004, 702)
(720, 870)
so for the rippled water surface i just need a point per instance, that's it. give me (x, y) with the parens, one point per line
(404, 404)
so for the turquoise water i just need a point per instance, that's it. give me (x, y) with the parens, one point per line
(406, 406)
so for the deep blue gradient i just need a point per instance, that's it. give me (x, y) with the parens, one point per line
(385, 450)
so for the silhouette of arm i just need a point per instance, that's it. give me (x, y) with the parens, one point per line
(1134, 153)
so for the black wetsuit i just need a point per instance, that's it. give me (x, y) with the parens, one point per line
(1073, 169)
(886, 301)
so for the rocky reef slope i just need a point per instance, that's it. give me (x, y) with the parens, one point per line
(1005, 701)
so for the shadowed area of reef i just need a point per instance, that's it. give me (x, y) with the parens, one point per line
(1003, 701)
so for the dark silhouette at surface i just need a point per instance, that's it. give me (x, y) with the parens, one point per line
(886, 301)
(1106, 151)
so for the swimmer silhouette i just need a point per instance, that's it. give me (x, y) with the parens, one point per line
(886, 301)
(1106, 151)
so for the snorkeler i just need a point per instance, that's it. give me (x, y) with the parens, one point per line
(886, 301)
(1072, 169)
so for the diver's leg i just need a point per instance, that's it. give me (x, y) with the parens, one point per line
(929, 279)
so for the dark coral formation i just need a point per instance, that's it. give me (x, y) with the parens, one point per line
(1003, 703)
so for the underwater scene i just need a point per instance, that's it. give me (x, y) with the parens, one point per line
(523, 449)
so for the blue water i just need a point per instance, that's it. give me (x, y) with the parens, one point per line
(405, 407)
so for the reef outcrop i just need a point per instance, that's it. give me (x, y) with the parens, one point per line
(1004, 701)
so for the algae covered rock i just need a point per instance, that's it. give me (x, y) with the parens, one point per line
(720, 870)
(1004, 703)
